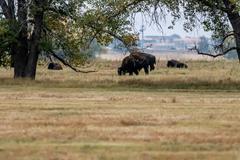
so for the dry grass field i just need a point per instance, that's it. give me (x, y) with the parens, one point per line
(171, 114)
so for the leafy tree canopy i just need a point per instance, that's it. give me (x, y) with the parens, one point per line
(67, 25)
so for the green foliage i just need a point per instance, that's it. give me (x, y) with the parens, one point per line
(75, 26)
(7, 38)
(5, 59)
(4, 36)
(208, 13)
(72, 25)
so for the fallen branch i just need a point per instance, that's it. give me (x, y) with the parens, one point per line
(68, 65)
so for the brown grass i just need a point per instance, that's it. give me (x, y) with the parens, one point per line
(64, 115)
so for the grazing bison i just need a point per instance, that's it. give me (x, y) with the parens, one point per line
(176, 64)
(129, 65)
(54, 66)
(151, 60)
(145, 60)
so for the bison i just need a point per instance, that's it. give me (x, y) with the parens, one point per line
(54, 66)
(176, 64)
(129, 65)
(145, 61)
(151, 60)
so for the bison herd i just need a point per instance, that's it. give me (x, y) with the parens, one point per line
(140, 60)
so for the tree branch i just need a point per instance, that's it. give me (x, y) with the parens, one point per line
(111, 34)
(92, 39)
(220, 46)
(124, 9)
(68, 65)
(214, 55)
(228, 35)
(5, 9)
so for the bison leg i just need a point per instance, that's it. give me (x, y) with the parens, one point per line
(136, 72)
(119, 71)
(146, 70)
(130, 73)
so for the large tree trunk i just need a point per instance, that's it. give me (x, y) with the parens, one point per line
(34, 50)
(20, 51)
(234, 19)
(26, 55)
(20, 58)
(236, 27)
(24, 52)
(235, 22)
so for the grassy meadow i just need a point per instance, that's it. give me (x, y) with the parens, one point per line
(171, 114)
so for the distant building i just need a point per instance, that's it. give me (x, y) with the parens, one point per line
(162, 43)
(169, 43)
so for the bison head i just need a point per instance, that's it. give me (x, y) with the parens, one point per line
(185, 66)
(120, 71)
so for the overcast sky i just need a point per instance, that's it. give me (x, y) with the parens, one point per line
(178, 28)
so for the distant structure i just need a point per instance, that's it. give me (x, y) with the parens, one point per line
(142, 40)
(170, 43)
(155, 43)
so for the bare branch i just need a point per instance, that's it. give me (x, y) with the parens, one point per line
(50, 58)
(220, 46)
(214, 55)
(68, 65)
(228, 35)
(92, 39)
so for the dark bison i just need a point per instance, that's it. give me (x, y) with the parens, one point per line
(54, 66)
(145, 61)
(176, 64)
(151, 60)
(129, 65)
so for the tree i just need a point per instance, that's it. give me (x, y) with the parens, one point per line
(220, 16)
(30, 27)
